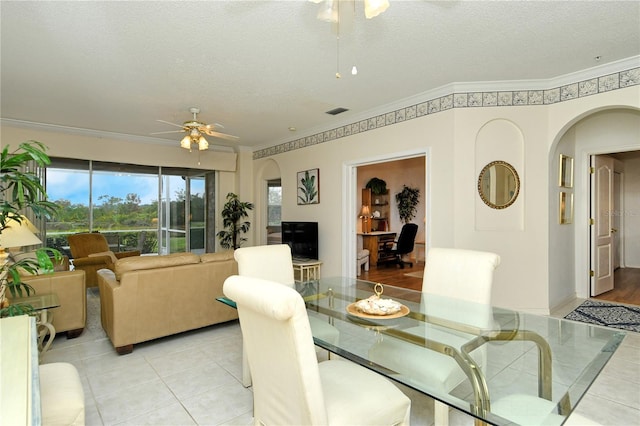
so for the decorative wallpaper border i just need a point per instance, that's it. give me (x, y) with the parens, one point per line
(606, 83)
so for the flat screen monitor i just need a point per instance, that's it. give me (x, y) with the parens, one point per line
(302, 237)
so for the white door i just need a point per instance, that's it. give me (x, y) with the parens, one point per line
(601, 212)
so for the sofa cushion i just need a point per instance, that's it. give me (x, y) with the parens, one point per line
(221, 256)
(153, 262)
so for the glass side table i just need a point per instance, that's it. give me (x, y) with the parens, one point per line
(42, 304)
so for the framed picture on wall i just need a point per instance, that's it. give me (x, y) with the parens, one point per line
(565, 172)
(309, 187)
(566, 208)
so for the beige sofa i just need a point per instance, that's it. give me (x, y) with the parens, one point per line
(71, 315)
(149, 297)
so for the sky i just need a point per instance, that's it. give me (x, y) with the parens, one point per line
(74, 186)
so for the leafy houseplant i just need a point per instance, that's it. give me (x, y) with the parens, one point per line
(21, 190)
(377, 186)
(407, 201)
(233, 212)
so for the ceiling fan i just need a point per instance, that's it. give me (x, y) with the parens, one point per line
(195, 131)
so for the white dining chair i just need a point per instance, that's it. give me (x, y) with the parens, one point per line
(274, 263)
(290, 387)
(458, 274)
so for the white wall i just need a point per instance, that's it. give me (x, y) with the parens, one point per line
(630, 214)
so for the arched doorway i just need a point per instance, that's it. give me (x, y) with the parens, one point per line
(267, 180)
(602, 132)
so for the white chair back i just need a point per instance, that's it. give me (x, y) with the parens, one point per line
(460, 274)
(279, 344)
(272, 262)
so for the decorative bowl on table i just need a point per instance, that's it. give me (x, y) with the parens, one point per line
(377, 307)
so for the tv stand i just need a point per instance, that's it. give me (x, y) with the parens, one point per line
(306, 269)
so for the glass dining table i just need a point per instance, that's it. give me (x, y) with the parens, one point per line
(512, 364)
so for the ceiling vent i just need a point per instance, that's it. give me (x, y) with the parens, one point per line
(337, 111)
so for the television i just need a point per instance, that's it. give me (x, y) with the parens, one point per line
(302, 237)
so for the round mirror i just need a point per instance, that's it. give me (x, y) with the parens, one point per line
(498, 184)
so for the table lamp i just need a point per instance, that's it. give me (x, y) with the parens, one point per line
(365, 215)
(17, 234)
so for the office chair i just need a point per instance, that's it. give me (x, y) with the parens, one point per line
(403, 246)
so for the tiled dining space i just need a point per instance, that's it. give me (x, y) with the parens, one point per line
(194, 378)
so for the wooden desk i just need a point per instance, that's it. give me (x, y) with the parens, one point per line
(306, 270)
(374, 241)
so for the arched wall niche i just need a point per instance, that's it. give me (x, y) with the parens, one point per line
(500, 140)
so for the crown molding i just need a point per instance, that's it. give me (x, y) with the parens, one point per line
(600, 79)
(472, 87)
(84, 132)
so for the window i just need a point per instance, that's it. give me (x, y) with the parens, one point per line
(122, 202)
(274, 211)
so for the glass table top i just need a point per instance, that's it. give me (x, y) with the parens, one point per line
(498, 365)
(39, 301)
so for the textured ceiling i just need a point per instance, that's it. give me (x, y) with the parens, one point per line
(259, 67)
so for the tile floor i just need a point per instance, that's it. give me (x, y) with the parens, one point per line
(194, 379)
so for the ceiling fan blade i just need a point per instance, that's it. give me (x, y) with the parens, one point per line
(169, 131)
(221, 135)
(168, 122)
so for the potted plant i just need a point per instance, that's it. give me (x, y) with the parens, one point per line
(407, 201)
(233, 212)
(20, 190)
(377, 186)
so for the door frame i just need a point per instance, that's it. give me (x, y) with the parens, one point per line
(582, 213)
(350, 210)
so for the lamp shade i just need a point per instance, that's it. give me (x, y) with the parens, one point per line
(365, 212)
(202, 143)
(373, 8)
(186, 142)
(17, 234)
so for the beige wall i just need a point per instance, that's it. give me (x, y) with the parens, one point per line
(68, 145)
(450, 140)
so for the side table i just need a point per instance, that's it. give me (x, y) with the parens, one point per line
(42, 303)
(306, 270)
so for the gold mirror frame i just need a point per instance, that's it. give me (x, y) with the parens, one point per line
(513, 186)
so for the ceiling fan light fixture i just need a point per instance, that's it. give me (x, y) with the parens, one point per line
(186, 142)
(373, 8)
(203, 144)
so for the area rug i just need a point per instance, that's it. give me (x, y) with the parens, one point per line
(607, 314)
(417, 274)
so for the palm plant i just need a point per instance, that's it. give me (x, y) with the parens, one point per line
(233, 212)
(20, 190)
